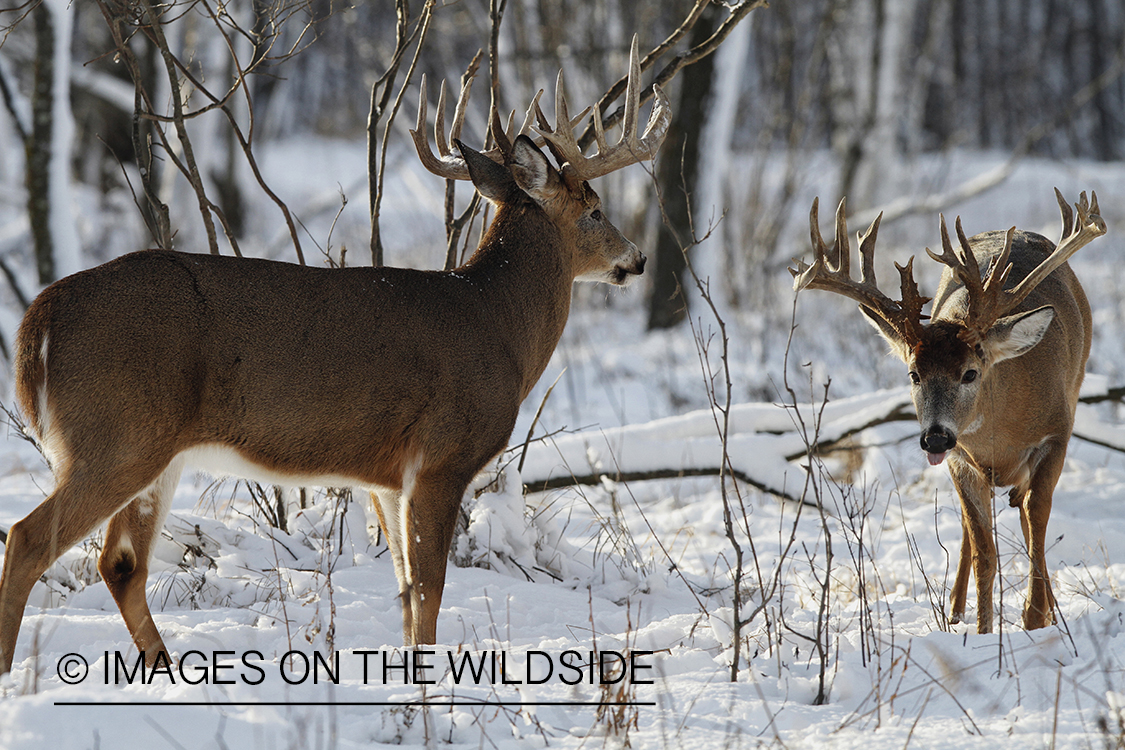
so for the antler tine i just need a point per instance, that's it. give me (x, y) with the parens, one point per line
(562, 116)
(804, 275)
(964, 264)
(1067, 215)
(439, 124)
(446, 165)
(560, 109)
(658, 120)
(500, 133)
(912, 301)
(904, 317)
(841, 249)
(867, 252)
(968, 257)
(947, 257)
(632, 93)
(462, 105)
(599, 130)
(529, 116)
(999, 268)
(819, 248)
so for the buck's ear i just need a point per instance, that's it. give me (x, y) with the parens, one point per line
(898, 346)
(531, 170)
(491, 180)
(1012, 336)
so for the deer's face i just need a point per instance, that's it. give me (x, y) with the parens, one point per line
(947, 375)
(603, 253)
(600, 251)
(595, 248)
(945, 383)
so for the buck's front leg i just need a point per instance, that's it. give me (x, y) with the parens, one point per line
(431, 514)
(977, 544)
(961, 581)
(1039, 610)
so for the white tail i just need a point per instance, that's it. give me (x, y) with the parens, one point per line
(402, 381)
(995, 374)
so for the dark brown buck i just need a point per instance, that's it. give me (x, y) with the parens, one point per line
(402, 381)
(994, 376)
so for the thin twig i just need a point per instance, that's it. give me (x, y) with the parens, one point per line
(535, 421)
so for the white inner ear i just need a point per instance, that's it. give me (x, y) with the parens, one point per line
(530, 169)
(1016, 334)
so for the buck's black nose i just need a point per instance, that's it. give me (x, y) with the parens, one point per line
(938, 440)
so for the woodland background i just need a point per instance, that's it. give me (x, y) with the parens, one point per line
(841, 97)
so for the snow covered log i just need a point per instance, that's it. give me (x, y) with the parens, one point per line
(765, 445)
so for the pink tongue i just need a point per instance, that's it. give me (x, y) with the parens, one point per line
(935, 458)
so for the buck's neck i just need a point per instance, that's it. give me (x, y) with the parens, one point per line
(529, 275)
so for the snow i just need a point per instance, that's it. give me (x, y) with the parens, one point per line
(641, 568)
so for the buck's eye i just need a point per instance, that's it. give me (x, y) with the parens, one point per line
(914, 378)
(596, 215)
(969, 376)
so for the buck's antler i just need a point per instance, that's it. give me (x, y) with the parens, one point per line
(988, 300)
(905, 316)
(630, 149)
(447, 164)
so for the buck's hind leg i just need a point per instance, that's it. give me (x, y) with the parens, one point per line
(388, 506)
(125, 557)
(80, 502)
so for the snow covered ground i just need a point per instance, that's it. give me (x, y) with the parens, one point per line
(850, 604)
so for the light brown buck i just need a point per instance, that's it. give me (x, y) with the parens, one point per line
(403, 381)
(994, 376)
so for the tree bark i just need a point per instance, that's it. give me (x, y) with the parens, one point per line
(38, 144)
(677, 174)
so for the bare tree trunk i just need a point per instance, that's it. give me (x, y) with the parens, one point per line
(862, 96)
(225, 178)
(38, 145)
(1108, 133)
(677, 173)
